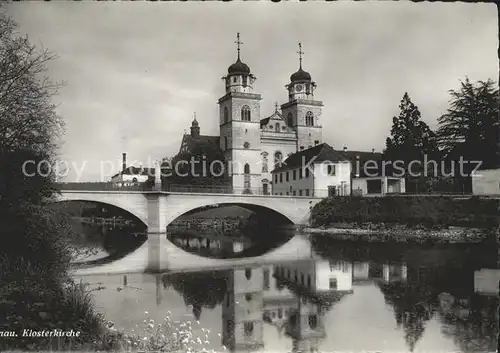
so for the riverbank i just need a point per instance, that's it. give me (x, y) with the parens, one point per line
(415, 212)
(395, 233)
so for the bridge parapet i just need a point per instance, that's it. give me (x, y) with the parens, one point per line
(178, 188)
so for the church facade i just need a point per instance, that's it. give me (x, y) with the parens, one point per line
(254, 145)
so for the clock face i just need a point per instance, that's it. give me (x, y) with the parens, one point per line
(298, 88)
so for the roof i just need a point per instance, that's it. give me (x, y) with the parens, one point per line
(238, 67)
(202, 143)
(300, 76)
(321, 153)
(133, 170)
(274, 116)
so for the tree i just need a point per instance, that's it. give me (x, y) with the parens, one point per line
(414, 305)
(470, 127)
(214, 284)
(411, 139)
(28, 119)
(35, 288)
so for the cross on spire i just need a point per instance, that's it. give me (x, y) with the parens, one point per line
(276, 106)
(238, 43)
(300, 52)
(194, 116)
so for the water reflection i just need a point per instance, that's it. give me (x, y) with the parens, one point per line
(415, 300)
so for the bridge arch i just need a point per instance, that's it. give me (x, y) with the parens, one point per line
(257, 209)
(135, 205)
(284, 208)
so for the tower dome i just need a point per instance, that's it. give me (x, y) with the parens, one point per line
(300, 76)
(239, 68)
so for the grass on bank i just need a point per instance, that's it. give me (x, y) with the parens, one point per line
(429, 212)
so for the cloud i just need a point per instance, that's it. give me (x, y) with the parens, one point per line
(136, 73)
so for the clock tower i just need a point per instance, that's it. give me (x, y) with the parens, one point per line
(239, 126)
(302, 112)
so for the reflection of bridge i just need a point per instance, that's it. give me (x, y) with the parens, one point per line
(158, 209)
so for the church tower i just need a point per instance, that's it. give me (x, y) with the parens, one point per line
(302, 112)
(239, 125)
(195, 128)
(307, 327)
(242, 322)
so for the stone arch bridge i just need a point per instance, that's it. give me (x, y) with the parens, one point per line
(157, 209)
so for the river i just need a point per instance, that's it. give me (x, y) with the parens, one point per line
(345, 297)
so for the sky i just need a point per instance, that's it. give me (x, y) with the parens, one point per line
(135, 72)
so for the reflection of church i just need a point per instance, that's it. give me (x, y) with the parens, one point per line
(242, 325)
(285, 297)
(256, 297)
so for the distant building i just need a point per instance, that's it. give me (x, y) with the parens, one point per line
(486, 182)
(369, 177)
(131, 175)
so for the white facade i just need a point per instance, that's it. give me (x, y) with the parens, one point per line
(486, 182)
(486, 281)
(387, 185)
(128, 180)
(318, 275)
(314, 181)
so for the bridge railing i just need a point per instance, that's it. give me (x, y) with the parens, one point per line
(97, 186)
(221, 189)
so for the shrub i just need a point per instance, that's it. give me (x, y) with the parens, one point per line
(429, 211)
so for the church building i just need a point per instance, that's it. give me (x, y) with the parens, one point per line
(254, 146)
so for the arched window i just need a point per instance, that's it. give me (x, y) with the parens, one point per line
(248, 273)
(278, 158)
(246, 181)
(290, 119)
(309, 119)
(245, 113)
(226, 115)
(313, 321)
(277, 127)
(248, 327)
(264, 162)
